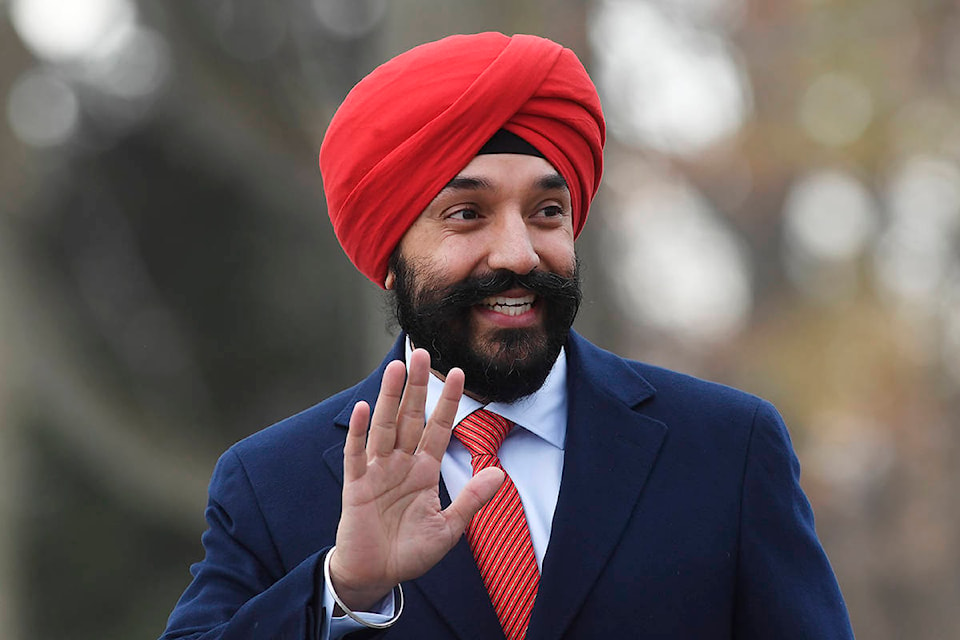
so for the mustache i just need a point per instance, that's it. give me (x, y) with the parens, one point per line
(473, 290)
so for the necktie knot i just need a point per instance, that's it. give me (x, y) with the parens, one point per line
(482, 432)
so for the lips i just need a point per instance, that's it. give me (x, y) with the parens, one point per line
(509, 305)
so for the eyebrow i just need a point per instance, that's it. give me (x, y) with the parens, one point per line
(553, 181)
(467, 183)
(549, 182)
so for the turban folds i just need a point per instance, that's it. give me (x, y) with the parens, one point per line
(406, 129)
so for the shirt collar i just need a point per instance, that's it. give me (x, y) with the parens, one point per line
(543, 413)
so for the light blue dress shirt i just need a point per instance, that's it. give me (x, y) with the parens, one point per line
(532, 454)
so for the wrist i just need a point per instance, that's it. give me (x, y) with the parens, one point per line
(341, 608)
(348, 593)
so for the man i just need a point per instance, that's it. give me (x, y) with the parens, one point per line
(619, 500)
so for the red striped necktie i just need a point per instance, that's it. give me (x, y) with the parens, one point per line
(498, 534)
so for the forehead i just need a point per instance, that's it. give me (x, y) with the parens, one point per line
(510, 170)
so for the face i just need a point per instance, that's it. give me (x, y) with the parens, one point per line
(486, 277)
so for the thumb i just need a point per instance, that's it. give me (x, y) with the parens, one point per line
(476, 493)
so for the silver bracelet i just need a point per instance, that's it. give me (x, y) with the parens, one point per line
(346, 609)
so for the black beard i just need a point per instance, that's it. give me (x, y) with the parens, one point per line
(510, 363)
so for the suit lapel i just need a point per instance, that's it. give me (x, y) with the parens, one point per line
(456, 591)
(367, 390)
(454, 586)
(610, 450)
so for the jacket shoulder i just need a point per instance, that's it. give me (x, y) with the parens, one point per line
(653, 385)
(320, 427)
(676, 384)
(306, 434)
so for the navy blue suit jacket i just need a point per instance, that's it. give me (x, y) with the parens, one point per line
(679, 516)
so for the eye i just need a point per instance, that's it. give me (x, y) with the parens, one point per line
(464, 214)
(551, 211)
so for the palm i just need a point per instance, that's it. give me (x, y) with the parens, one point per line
(392, 527)
(395, 513)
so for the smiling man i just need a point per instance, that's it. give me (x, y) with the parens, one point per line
(486, 277)
(599, 497)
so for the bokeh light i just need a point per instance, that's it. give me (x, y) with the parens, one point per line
(829, 220)
(917, 250)
(65, 32)
(829, 215)
(350, 18)
(836, 109)
(135, 67)
(42, 110)
(666, 84)
(950, 310)
(678, 267)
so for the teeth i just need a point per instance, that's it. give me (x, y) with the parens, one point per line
(504, 300)
(510, 306)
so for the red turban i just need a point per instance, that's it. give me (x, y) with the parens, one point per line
(411, 125)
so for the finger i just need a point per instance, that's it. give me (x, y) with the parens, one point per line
(354, 455)
(383, 425)
(476, 493)
(436, 435)
(410, 418)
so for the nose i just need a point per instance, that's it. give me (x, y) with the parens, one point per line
(511, 246)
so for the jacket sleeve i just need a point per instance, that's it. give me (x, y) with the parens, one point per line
(241, 590)
(785, 586)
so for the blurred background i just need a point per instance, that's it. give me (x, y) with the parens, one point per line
(780, 212)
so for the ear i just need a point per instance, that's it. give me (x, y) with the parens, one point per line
(388, 283)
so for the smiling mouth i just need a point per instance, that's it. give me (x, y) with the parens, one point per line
(509, 306)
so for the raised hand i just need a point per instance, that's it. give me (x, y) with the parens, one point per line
(392, 527)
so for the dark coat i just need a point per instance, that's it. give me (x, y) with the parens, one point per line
(680, 516)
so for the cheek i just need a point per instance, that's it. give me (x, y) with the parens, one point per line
(558, 256)
(456, 259)
(440, 253)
